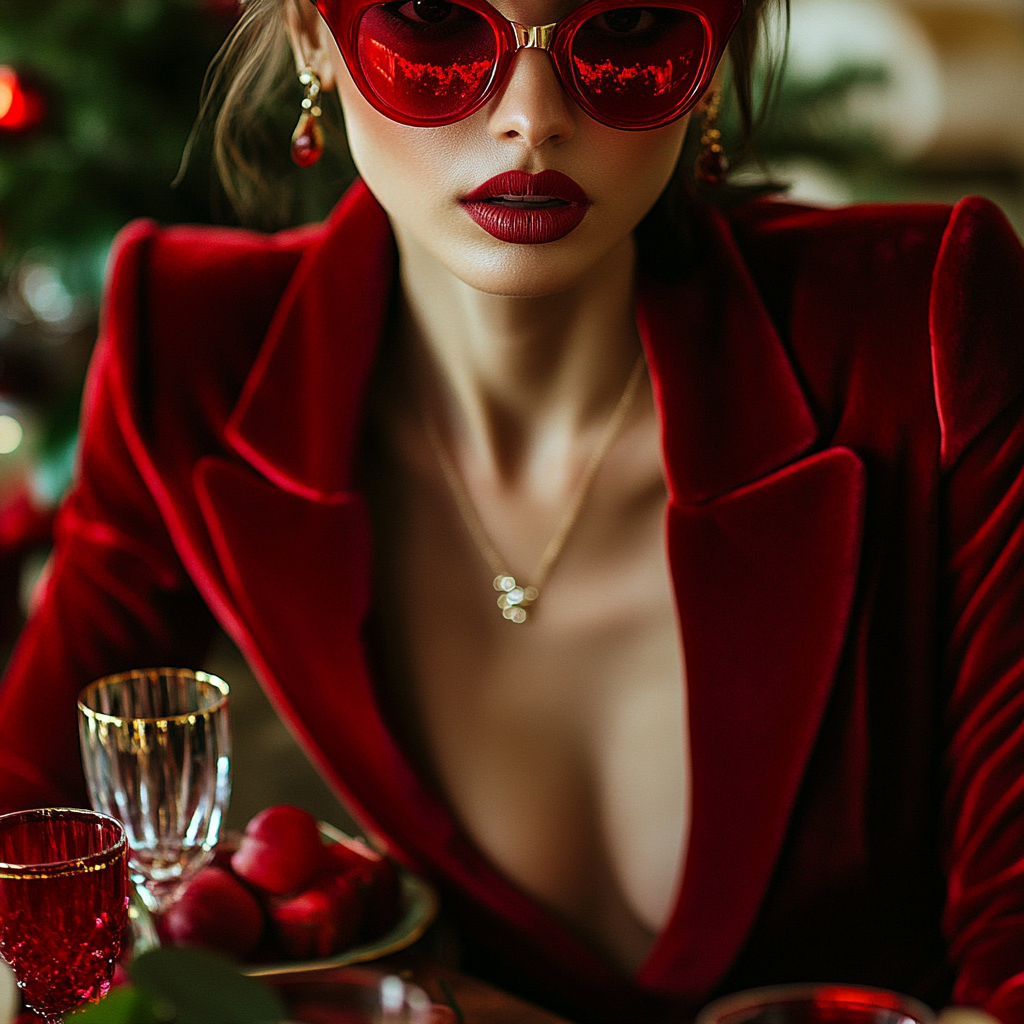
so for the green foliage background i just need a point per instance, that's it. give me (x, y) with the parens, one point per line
(121, 81)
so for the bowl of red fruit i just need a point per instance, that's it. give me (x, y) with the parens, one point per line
(292, 894)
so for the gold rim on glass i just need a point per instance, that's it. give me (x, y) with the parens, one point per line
(117, 720)
(98, 861)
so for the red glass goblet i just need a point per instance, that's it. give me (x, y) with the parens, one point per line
(816, 1004)
(63, 904)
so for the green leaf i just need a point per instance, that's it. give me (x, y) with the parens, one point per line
(205, 988)
(125, 1005)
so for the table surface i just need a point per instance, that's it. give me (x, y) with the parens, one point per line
(475, 1000)
(479, 1002)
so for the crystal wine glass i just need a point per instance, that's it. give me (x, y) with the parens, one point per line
(63, 904)
(361, 995)
(156, 747)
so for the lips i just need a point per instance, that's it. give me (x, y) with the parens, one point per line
(528, 209)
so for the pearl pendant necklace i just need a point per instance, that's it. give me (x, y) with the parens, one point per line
(515, 599)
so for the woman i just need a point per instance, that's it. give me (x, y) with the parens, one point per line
(775, 458)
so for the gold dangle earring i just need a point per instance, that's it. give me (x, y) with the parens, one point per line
(711, 166)
(308, 137)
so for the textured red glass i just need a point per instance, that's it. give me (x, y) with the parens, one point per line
(63, 904)
(418, 68)
(645, 71)
(628, 65)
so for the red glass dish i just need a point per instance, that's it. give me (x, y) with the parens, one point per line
(63, 904)
(629, 65)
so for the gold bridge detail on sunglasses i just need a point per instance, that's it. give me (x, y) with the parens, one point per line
(634, 65)
(534, 37)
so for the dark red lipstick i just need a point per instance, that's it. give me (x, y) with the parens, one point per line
(527, 209)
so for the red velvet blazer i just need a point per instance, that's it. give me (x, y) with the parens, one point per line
(841, 398)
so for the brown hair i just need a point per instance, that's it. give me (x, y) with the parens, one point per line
(252, 84)
(757, 46)
(252, 87)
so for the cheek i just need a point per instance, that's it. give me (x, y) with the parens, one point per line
(631, 169)
(408, 169)
(371, 141)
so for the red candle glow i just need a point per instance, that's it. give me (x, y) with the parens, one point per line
(20, 108)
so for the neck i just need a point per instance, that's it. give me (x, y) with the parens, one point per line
(508, 377)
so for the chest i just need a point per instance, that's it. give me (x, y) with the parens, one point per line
(560, 744)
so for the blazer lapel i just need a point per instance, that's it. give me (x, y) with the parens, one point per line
(764, 539)
(291, 536)
(299, 415)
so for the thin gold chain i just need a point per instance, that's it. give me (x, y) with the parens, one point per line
(514, 599)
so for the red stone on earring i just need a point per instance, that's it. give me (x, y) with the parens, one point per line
(307, 140)
(712, 165)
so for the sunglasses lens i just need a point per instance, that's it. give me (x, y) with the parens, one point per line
(636, 64)
(426, 60)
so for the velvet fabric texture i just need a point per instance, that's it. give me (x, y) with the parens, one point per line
(841, 397)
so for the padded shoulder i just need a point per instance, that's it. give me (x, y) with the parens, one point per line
(863, 260)
(977, 323)
(187, 304)
(873, 226)
(201, 277)
(953, 277)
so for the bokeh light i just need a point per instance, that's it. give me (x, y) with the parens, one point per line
(20, 108)
(11, 434)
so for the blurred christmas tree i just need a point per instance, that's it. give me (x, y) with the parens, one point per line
(97, 98)
(101, 96)
(97, 102)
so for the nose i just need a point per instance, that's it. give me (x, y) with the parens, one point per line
(532, 108)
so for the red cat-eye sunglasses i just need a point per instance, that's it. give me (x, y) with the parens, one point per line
(630, 64)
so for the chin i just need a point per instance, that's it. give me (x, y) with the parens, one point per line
(521, 285)
(525, 271)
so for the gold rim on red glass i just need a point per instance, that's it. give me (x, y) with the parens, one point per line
(97, 861)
